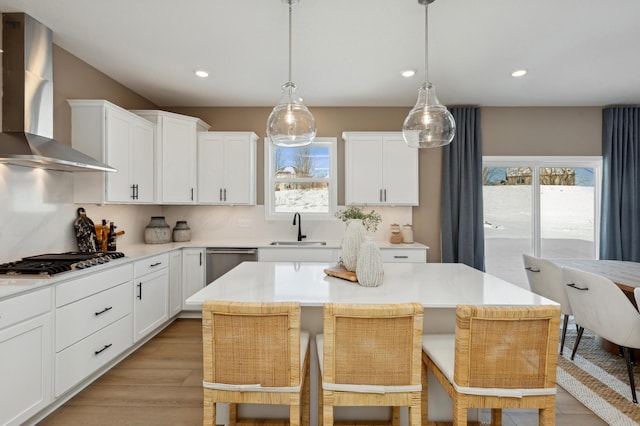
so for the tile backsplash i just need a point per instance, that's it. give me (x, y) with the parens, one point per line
(37, 214)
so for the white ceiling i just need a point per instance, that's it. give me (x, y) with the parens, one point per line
(351, 52)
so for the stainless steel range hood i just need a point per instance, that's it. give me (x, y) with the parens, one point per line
(27, 102)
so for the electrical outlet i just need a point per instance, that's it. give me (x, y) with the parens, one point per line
(245, 223)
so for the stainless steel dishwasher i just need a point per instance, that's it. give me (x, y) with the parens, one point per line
(221, 260)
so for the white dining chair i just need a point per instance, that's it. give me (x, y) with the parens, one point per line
(545, 279)
(601, 306)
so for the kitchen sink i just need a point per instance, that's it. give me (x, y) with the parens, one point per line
(298, 243)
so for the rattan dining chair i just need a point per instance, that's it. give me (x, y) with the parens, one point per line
(601, 306)
(369, 355)
(499, 357)
(255, 353)
(545, 279)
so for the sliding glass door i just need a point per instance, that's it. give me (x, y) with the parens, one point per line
(543, 206)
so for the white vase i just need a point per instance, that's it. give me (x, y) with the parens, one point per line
(353, 236)
(369, 268)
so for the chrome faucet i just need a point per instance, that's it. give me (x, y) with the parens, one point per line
(300, 236)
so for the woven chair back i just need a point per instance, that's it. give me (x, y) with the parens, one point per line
(506, 347)
(372, 344)
(252, 343)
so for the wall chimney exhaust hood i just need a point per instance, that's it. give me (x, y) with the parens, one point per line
(27, 102)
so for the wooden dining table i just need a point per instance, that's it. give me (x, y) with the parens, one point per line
(625, 274)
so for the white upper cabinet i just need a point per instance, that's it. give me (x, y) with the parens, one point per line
(227, 168)
(121, 139)
(176, 163)
(380, 169)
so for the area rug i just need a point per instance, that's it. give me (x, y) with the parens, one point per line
(599, 380)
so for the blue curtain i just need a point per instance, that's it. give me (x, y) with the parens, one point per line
(620, 213)
(461, 208)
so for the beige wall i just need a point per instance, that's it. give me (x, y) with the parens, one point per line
(541, 131)
(75, 79)
(505, 131)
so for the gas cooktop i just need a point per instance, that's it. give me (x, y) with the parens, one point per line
(47, 265)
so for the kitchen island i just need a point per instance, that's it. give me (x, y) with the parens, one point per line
(438, 287)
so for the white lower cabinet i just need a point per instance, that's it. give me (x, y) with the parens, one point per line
(306, 254)
(193, 273)
(175, 282)
(25, 356)
(91, 353)
(93, 324)
(151, 294)
(399, 255)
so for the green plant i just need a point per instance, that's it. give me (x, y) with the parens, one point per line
(369, 220)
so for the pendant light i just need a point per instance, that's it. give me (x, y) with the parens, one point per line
(429, 124)
(290, 124)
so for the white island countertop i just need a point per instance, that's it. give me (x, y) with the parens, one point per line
(434, 285)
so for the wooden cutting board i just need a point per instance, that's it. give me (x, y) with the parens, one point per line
(341, 272)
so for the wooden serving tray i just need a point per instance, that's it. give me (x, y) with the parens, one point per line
(341, 272)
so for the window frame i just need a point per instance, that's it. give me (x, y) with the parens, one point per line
(270, 181)
(537, 162)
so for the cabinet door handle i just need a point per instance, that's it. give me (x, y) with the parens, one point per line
(380, 194)
(104, 310)
(385, 194)
(220, 196)
(191, 194)
(133, 192)
(200, 258)
(103, 349)
(139, 291)
(137, 191)
(225, 194)
(155, 264)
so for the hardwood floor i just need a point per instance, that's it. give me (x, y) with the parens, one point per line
(161, 384)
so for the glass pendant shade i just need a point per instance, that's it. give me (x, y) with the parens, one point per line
(429, 124)
(290, 124)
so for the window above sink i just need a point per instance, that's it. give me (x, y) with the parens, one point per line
(302, 179)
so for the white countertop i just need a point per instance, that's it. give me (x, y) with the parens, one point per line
(13, 286)
(434, 285)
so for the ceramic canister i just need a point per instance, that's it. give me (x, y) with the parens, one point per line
(181, 232)
(157, 231)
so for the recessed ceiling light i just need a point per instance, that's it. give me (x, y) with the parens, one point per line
(518, 73)
(202, 73)
(408, 73)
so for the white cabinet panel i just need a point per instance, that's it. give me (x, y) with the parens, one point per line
(26, 358)
(73, 290)
(404, 255)
(193, 272)
(175, 282)
(150, 303)
(121, 139)
(150, 264)
(227, 168)
(380, 169)
(176, 164)
(298, 255)
(85, 357)
(77, 320)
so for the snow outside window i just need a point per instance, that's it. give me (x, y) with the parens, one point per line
(302, 179)
(542, 206)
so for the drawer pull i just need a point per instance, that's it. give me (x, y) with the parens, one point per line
(103, 349)
(400, 257)
(104, 310)
(155, 264)
(140, 291)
